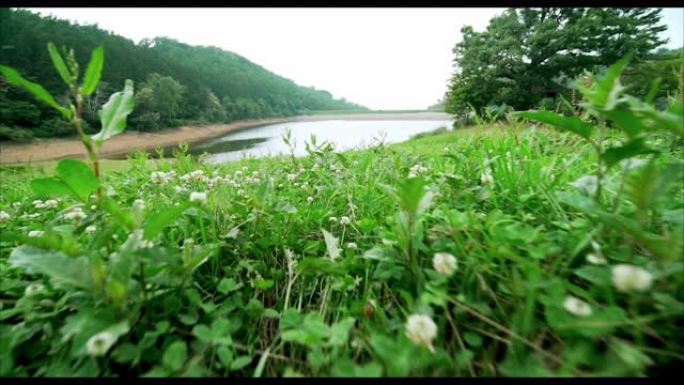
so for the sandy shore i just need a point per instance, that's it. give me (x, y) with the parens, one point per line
(48, 149)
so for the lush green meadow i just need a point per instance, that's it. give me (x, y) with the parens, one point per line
(313, 265)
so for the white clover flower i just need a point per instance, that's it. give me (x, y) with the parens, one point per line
(16, 204)
(159, 177)
(291, 177)
(37, 203)
(352, 245)
(315, 167)
(188, 242)
(75, 213)
(444, 263)
(146, 244)
(35, 233)
(332, 219)
(576, 306)
(596, 259)
(4, 216)
(587, 184)
(99, 344)
(357, 280)
(50, 203)
(486, 177)
(90, 229)
(629, 277)
(180, 189)
(345, 220)
(632, 163)
(33, 289)
(198, 196)
(309, 200)
(416, 170)
(421, 329)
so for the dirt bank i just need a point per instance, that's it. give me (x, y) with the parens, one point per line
(47, 149)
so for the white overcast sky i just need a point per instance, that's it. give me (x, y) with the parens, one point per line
(382, 58)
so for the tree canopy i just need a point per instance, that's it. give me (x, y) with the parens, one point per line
(528, 54)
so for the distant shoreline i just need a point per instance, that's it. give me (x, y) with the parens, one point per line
(58, 148)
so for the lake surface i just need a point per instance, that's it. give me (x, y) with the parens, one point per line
(267, 140)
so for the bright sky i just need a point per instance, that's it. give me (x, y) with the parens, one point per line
(382, 58)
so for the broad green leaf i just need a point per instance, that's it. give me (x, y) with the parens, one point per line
(263, 284)
(14, 77)
(634, 147)
(78, 176)
(93, 72)
(80, 327)
(175, 355)
(291, 318)
(58, 266)
(51, 186)
(240, 362)
(568, 123)
(630, 355)
(121, 216)
(331, 245)
(320, 265)
(203, 333)
(339, 332)
(157, 222)
(58, 62)
(653, 91)
(225, 355)
(627, 121)
(113, 114)
(597, 275)
(605, 91)
(601, 322)
(227, 285)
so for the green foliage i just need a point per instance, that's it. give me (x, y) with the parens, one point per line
(73, 178)
(14, 77)
(114, 112)
(471, 253)
(93, 72)
(527, 54)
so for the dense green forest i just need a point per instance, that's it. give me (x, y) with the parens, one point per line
(175, 83)
(527, 57)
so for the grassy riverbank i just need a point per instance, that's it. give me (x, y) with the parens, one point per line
(50, 149)
(306, 266)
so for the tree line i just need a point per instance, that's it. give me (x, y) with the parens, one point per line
(528, 57)
(176, 83)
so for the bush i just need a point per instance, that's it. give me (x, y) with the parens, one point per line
(15, 134)
(437, 131)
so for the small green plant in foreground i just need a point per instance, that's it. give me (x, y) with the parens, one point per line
(486, 252)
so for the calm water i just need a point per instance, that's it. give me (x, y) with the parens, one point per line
(343, 134)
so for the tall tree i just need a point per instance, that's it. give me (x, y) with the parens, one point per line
(527, 54)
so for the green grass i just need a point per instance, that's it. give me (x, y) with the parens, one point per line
(261, 292)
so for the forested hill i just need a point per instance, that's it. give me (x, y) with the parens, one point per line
(175, 83)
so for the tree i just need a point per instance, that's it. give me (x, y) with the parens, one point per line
(526, 54)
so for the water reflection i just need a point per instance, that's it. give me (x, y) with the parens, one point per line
(267, 140)
(220, 146)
